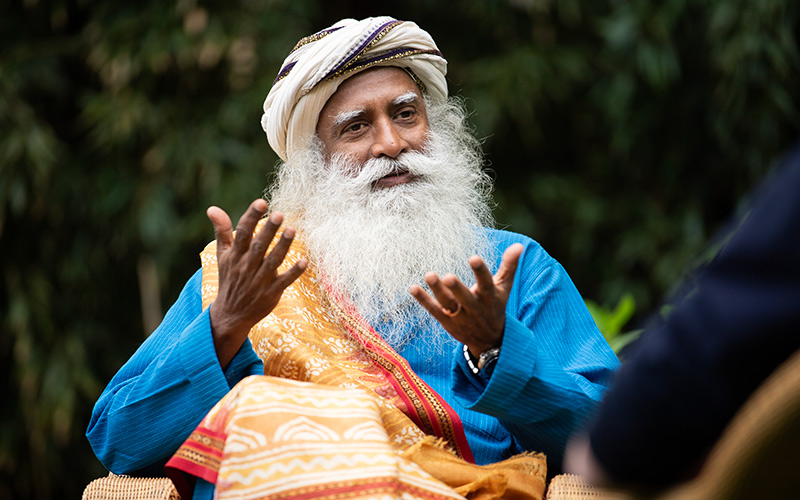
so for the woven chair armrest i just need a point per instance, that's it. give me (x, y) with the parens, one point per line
(118, 487)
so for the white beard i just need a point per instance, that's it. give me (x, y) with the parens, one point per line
(373, 243)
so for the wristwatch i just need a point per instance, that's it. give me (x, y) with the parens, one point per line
(486, 360)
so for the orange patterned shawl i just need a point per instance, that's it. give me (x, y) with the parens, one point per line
(315, 343)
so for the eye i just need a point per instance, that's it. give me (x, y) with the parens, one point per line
(353, 128)
(406, 113)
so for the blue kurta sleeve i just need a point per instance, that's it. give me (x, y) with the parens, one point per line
(554, 364)
(158, 397)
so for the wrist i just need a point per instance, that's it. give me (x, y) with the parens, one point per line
(228, 336)
(488, 339)
(223, 327)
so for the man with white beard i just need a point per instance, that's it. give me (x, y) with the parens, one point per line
(375, 242)
(395, 286)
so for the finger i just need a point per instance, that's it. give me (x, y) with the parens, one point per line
(483, 278)
(246, 224)
(459, 291)
(288, 277)
(279, 251)
(265, 235)
(442, 293)
(428, 302)
(223, 229)
(504, 278)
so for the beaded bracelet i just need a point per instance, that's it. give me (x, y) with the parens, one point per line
(486, 360)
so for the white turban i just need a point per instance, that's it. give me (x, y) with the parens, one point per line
(319, 63)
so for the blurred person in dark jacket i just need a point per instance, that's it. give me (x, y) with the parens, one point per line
(683, 381)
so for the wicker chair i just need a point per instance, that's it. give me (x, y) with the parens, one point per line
(115, 487)
(758, 456)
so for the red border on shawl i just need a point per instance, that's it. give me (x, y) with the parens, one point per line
(182, 471)
(393, 357)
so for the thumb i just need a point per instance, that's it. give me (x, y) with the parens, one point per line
(223, 228)
(504, 277)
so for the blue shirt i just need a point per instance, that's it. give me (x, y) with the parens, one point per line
(554, 367)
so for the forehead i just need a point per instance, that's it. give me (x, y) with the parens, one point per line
(372, 87)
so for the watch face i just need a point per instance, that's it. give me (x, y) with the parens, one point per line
(488, 359)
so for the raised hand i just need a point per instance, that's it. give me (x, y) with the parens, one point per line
(474, 316)
(249, 283)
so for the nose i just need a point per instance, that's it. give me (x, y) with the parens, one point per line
(388, 140)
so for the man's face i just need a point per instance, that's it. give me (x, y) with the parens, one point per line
(376, 113)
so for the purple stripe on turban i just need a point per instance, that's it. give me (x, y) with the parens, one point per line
(375, 35)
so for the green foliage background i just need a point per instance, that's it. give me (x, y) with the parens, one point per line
(621, 134)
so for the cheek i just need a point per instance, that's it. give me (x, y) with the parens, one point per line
(419, 138)
(353, 152)
(348, 161)
(358, 156)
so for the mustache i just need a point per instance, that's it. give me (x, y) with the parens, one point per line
(374, 169)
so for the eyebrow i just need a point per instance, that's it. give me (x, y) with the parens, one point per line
(409, 96)
(346, 116)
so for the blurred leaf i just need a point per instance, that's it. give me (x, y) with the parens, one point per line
(611, 321)
(620, 342)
